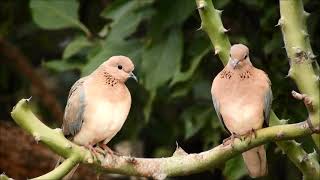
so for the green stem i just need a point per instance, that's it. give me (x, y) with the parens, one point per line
(157, 168)
(307, 163)
(62, 170)
(297, 44)
(212, 24)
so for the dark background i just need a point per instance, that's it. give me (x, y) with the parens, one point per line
(42, 54)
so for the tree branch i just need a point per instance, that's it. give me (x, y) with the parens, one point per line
(296, 39)
(211, 17)
(158, 168)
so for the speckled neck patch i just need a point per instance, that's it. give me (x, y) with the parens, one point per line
(245, 75)
(225, 74)
(109, 79)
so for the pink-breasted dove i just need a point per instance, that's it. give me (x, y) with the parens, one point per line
(242, 99)
(99, 103)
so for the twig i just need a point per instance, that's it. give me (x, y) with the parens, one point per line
(158, 168)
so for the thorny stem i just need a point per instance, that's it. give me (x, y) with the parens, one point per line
(178, 165)
(212, 24)
(297, 43)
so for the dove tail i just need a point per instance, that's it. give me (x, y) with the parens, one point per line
(256, 161)
(70, 174)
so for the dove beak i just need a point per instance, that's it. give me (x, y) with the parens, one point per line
(234, 63)
(131, 75)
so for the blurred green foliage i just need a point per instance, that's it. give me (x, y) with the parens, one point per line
(174, 63)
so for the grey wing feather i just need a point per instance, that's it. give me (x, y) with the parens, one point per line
(267, 105)
(73, 115)
(217, 108)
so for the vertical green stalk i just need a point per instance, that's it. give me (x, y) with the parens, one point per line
(212, 24)
(297, 43)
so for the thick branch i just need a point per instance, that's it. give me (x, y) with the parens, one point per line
(294, 151)
(297, 44)
(158, 168)
(307, 163)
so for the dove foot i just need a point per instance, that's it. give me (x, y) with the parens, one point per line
(250, 134)
(230, 140)
(107, 149)
(94, 151)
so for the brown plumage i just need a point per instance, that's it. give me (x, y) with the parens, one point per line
(98, 104)
(242, 98)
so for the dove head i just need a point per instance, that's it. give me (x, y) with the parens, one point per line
(239, 56)
(120, 67)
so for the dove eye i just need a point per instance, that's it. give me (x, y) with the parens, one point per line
(245, 57)
(119, 67)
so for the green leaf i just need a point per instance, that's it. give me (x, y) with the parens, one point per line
(126, 19)
(171, 13)
(55, 15)
(75, 46)
(195, 61)
(162, 59)
(61, 65)
(235, 168)
(120, 9)
(195, 118)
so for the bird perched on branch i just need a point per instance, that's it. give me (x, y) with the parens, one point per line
(242, 99)
(99, 103)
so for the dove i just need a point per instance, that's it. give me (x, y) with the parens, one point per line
(242, 98)
(98, 104)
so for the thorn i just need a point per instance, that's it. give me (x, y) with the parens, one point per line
(219, 11)
(314, 154)
(201, 5)
(224, 29)
(29, 99)
(311, 55)
(59, 131)
(179, 151)
(306, 14)
(296, 143)
(216, 51)
(90, 160)
(305, 33)
(200, 28)
(297, 50)
(68, 145)
(280, 135)
(289, 73)
(304, 158)
(284, 121)
(36, 137)
(280, 22)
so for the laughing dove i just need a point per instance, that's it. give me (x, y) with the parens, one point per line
(99, 103)
(242, 99)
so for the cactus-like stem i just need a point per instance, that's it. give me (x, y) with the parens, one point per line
(179, 164)
(297, 44)
(308, 165)
(212, 24)
(210, 16)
